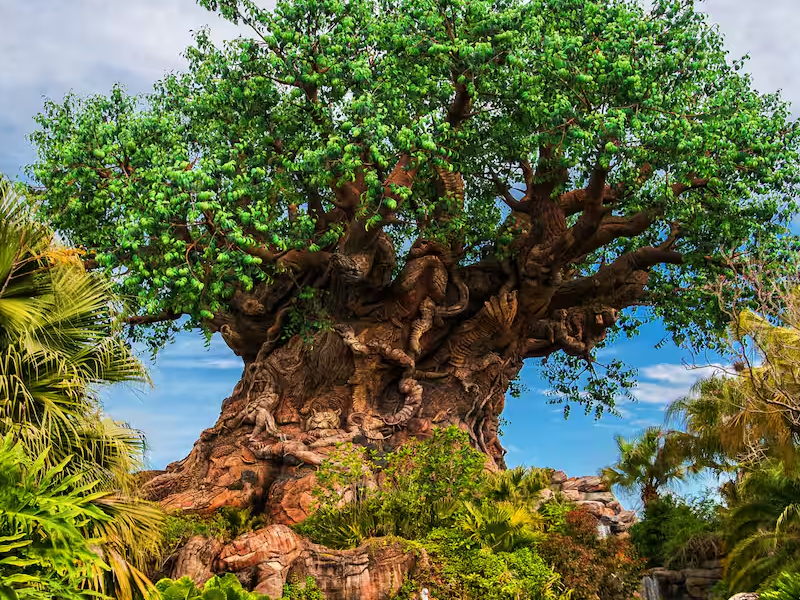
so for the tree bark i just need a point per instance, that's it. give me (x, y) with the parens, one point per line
(357, 382)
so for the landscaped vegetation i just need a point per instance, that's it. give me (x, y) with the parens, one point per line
(384, 208)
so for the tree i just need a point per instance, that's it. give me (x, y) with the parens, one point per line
(57, 345)
(386, 207)
(648, 463)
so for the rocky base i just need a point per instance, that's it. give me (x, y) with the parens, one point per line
(688, 584)
(266, 559)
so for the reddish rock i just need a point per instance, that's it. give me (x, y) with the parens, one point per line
(196, 559)
(291, 499)
(271, 556)
(558, 477)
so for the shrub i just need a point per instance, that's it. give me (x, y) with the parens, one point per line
(678, 534)
(406, 493)
(228, 587)
(604, 569)
(462, 570)
(785, 587)
(43, 551)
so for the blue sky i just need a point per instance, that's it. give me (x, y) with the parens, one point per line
(50, 47)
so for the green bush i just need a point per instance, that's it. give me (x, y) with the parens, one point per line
(677, 534)
(228, 587)
(421, 484)
(785, 587)
(43, 551)
(463, 570)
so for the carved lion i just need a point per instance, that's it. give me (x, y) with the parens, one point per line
(324, 419)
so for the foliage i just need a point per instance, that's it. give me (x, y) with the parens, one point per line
(58, 343)
(499, 526)
(593, 568)
(785, 587)
(752, 412)
(306, 590)
(677, 534)
(228, 587)
(761, 531)
(43, 551)
(463, 569)
(272, 150)
(226, 524)
(406, 492)
(648, 463)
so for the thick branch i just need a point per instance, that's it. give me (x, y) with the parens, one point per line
(150, 319)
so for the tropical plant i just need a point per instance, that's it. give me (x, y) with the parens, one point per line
(753, 411)
(406, 492)
(228, 587)
(785, 587)
(648, 463)
(58, 344)
(518, 485)
(219, 587)
(677, 533)
(500, 526)
(44, 552)
(461, 569)
(761, 531)
(593, 568)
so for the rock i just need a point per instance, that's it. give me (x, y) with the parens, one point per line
(744, 596)
(374, 571)
(291, 498)
(196, 559)
(592, 483)
(558, 477)
(595, 508)
(698, 582)
(668, 576)
(604, 497)
(266, 559)
(571, 495)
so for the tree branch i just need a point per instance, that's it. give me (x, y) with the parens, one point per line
(150, 319)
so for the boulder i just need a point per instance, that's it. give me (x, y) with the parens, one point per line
(291, 499)
(264, 560)
(744, 596)
(196, 559)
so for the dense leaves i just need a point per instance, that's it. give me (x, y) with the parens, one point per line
(592, 568)
(44, 553)
(210, 184)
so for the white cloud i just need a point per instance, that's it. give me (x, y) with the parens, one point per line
(668, 382)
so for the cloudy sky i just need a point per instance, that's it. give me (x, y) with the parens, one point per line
(51, 47)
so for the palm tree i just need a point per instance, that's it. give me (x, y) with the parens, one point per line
(58, 344)
(500, 526)
(763, 529)
(647, 463)
(520, 485)
(44, 553)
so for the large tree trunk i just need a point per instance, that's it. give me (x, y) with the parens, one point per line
(356, 382)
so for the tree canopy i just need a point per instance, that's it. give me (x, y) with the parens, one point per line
(595, 152)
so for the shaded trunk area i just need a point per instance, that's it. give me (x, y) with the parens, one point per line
(355, 382)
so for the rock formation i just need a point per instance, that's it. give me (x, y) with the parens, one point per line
(266, 559)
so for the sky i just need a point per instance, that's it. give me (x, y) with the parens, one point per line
(52, 47)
